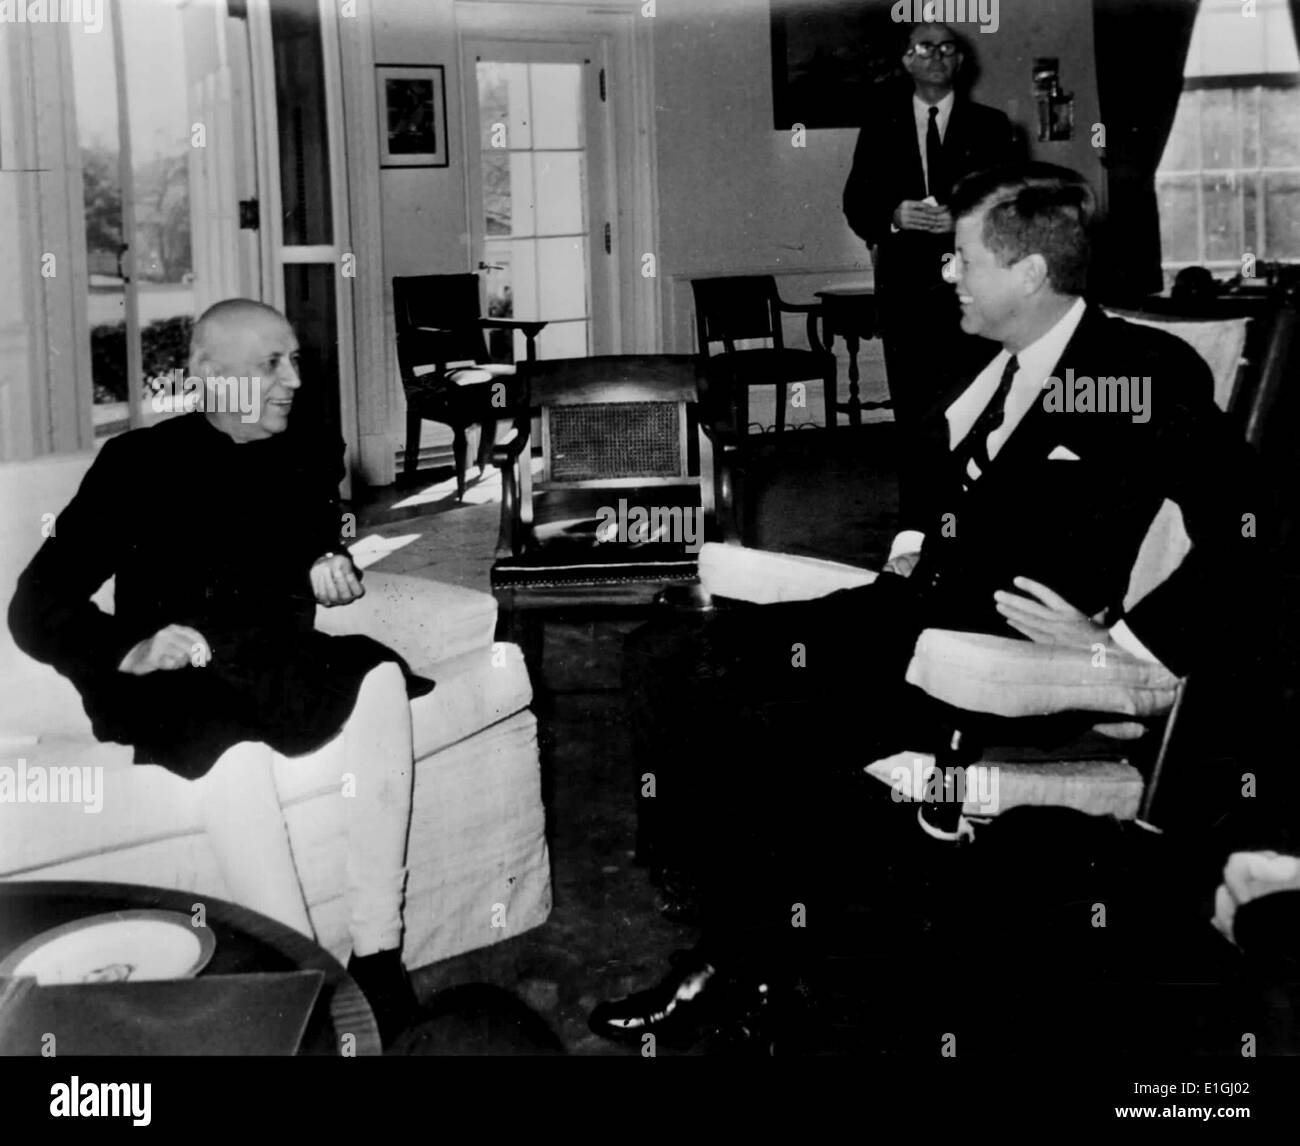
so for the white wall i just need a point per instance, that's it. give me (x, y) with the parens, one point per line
(734, 195)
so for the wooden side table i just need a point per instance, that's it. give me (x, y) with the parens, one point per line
(850, 312)
(247, 943)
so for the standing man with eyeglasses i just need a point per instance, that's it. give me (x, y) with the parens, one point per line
(914, 146)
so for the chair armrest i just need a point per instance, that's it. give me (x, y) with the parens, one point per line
(1006, 677)
(799, 307)
(764, 578)
(425, 621)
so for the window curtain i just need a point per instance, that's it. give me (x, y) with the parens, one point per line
(1141, 52)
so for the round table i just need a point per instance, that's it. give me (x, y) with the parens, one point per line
(246, 943)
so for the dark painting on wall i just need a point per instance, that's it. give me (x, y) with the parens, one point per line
(829, 57)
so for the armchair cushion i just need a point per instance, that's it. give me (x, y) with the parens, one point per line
(1008, 677)
(975, 671)
(765, 578)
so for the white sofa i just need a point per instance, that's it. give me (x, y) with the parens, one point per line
(477, 842)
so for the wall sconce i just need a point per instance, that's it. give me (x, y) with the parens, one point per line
(1055, 107)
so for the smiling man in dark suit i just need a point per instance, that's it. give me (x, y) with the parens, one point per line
(1029, 524)
(915, 145)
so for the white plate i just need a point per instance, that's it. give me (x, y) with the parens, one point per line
(121, 946)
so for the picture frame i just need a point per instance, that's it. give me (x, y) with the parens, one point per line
(412, 103)
(829, 59)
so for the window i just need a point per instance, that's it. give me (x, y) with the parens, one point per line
(1229, 182)
(134, 135)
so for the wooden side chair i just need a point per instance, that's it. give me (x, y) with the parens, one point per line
(744, 308)
(624, 495)
(446, 370)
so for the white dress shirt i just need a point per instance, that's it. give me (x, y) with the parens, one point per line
(1035, 364)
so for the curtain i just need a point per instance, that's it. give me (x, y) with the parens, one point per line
(1141, 51)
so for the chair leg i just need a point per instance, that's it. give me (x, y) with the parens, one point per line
(414, 423)
(781, 399)
(830, 387)
(487, 439)
(459, 449)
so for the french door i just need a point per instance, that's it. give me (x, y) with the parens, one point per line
(540, 183)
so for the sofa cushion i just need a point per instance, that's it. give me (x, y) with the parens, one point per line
(139, 803)
(1007, 677)
(426, 621)
(475, 691)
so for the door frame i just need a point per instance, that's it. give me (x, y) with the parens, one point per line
(275, 255)
(637, 326)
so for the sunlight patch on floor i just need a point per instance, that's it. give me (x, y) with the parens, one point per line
(374, 548)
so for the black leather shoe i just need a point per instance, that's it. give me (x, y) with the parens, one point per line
(696, 1000)
(387, 988)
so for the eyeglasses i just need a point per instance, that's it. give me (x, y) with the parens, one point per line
(945, 48)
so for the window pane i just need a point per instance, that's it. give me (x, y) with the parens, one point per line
(1222, 218)
(1181, 152)
(1282, 216)
(562, 266)
(161, 238)
(300, 110)
(559, 192)
(1281, 127)
(1220, 136)
(557, 105)
(523, 261)
(95, 78)
(1248, 104)
(1250, 197)
(503, 99)
(1178, 235)
(496, 193)
(523, 220)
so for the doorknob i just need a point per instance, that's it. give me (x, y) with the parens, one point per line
(489, 266)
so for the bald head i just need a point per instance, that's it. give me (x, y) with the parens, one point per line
(243, 339)
(226, 322)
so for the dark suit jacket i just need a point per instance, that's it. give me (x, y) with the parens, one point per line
(887, 169)
(1076, 526)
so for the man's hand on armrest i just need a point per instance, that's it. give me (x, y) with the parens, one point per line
(1049, 619)
(905, 552)
(902, 564)
(335, 581)
(171, 648)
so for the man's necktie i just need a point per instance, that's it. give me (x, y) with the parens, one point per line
(975, 446)
(935, 178)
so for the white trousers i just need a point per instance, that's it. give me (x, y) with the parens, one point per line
(241, 811)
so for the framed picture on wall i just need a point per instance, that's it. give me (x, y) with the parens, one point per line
(412, 115)
(829, 57)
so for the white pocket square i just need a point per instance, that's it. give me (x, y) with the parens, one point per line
(1062, 454)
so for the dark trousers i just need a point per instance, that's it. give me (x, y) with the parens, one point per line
(752, 728)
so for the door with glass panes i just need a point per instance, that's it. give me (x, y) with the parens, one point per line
(541, 221)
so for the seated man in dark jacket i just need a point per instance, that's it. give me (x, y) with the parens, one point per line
(1029, 527)
(222, 530)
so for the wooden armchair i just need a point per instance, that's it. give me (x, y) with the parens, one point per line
(747, 307)
(623, 498)
(446, 370)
